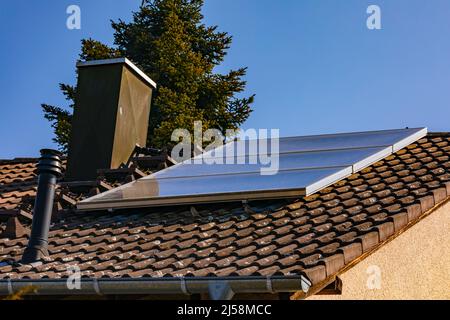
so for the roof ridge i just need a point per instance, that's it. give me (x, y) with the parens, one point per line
(18, 160)
(439, 134)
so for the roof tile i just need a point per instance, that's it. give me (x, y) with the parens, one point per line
(333, 263)
(316, 235)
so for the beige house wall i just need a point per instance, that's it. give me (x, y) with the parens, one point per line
(415, 265)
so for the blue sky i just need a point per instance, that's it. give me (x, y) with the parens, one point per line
(313, 64)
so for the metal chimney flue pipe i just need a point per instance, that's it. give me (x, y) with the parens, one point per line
(49, 169)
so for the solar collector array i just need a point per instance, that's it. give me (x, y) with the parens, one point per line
(306, 165)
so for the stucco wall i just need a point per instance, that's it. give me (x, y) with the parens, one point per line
(415, 265)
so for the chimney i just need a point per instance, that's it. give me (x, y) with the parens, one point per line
(49, 170)
(111, 115)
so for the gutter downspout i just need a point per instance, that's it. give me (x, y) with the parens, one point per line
(148, 286)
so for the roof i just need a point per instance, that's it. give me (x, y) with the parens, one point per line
(316, 236)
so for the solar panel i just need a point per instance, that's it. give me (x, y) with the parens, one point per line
(305, 165)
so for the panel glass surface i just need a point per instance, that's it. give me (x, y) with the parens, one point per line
(320, 142)
(152, 188)
(286, 161)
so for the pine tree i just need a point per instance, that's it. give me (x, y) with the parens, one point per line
(169, 42)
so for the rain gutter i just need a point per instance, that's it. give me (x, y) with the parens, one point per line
(219, 288)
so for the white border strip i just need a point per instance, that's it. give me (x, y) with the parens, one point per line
(370, 160)
(147, 79)
(409, 140)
